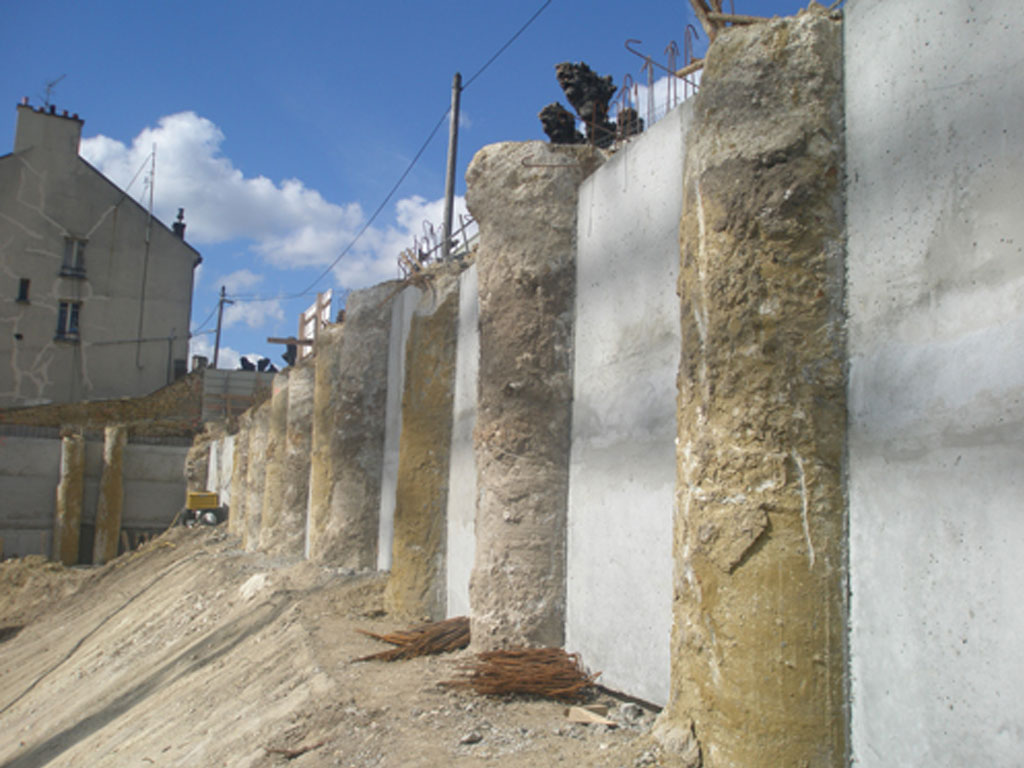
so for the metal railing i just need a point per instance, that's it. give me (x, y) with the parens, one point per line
(426, 249)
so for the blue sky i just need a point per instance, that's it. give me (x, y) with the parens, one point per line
(281, 127)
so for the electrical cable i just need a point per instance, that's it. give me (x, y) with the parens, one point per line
(208, 317)
(387, 198)
(506, 45)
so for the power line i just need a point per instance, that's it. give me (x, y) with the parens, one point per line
(387, 198)
(506, 45)
(208, 317)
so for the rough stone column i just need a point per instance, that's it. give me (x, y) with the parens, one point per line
(273, 484)
(255, 475)
(526, 270)
(416, 586)
(239, 476)
(758, 640)
(291, 538)
(197, 462)
(111, 499)
(70, 493)
(348, 431)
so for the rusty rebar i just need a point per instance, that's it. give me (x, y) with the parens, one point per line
(424, 640)
(548, 672)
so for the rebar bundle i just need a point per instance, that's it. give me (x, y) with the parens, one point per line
(548, 672)
(424, 640)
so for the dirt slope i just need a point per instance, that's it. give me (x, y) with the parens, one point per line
(191, 652)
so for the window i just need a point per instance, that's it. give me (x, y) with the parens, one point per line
(74, 258)
(23, 290)
(67, 320)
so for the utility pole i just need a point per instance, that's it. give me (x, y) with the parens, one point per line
(449, 180)
(220, 317)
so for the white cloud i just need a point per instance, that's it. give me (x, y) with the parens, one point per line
(287, 224)
(203, 345)
(254, 314)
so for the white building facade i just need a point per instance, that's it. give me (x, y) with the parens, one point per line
(95, 294)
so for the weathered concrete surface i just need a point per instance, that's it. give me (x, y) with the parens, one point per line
(402, 308)
(255, 475)
(622, 476)
(758, 640)
(291, 536)
(460, 542)
(197, 461)
(111, 495)
(526, 272)
(153, 490)
(70, 492)
(218, 477)
(239, 458)
(349, 405)
(274, 461)
(29, 472)
(934, 98)
(416, 586)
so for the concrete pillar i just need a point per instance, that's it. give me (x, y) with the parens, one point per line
(237, 510)
(524, 197)
(273, 484)
(255, 475)
(349, 402)
(70, 493)
(109, 508)
(417, 583)
(759, 596)
(291, 539)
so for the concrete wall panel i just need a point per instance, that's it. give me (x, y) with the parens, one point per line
(416, 586)
(936, 395)
(350, 406)
(154, 486)
(402, 310)
(462, 497)
(622, 474)
(29, 473)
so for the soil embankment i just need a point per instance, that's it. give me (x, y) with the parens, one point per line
(192, 652)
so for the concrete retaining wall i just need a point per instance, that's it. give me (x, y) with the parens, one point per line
(936, 444)
(152, 484)
(222, 466)
(622, 474)
(524, 197)
(255, 475)
(401, 319)
(759, 594)
(350, 405)
(416, 587)
(291, 538)
(460, 546)
(31, 471)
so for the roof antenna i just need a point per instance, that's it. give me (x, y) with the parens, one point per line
(49, 90)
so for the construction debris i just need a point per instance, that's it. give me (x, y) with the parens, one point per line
(593, 714)
(548, 672)
(425, 640)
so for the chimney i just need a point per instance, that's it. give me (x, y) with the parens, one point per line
(47, 130)
(179, 225)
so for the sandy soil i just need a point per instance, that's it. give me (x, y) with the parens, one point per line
(190, 652)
